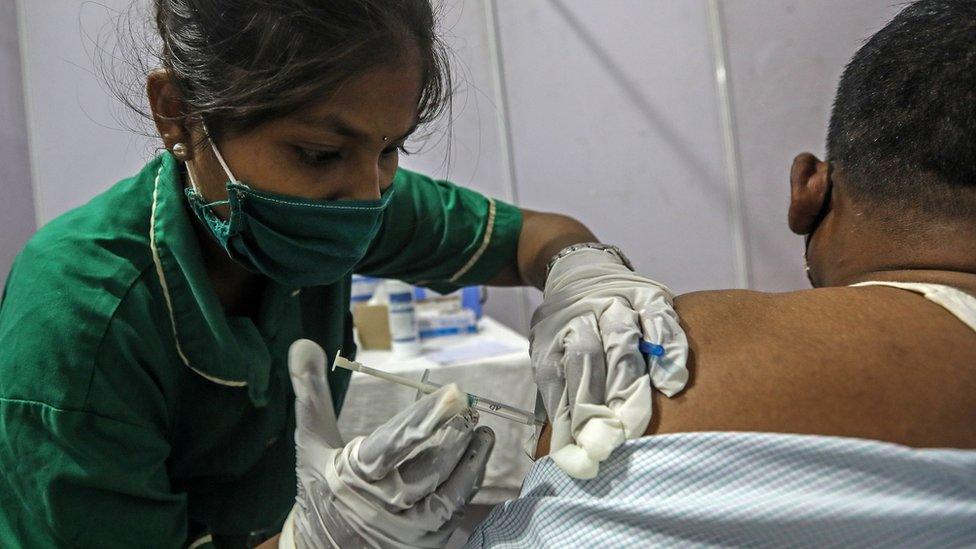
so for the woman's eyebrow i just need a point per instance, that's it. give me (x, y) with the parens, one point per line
(333, 123)
(336, 124)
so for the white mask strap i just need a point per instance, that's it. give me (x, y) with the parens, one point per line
(193, 180)
(220, 158)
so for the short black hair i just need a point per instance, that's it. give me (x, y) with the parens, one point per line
(903, 126)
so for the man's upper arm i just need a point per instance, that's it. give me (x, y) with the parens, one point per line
(874, 363)
(832, 361)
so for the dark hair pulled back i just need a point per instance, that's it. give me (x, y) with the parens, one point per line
(240, 63)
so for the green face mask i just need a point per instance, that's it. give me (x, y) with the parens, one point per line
(295, 242)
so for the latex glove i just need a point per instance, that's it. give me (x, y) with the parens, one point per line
(405, 484)
(592, 378)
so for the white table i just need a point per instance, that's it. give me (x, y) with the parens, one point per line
(506, 378)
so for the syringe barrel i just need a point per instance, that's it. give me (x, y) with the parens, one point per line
(501, 410)
(424, 386)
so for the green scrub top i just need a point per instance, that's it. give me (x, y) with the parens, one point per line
(134, 412)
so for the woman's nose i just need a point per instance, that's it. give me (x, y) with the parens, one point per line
(363, 181)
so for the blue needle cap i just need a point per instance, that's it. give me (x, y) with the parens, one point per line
(649, 348)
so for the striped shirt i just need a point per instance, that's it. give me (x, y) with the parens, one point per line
(746, 489)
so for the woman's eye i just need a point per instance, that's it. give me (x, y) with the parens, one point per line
(317, 157)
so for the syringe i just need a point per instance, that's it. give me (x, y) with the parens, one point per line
(481, 404)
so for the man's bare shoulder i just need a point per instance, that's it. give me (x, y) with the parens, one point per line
(845, 319)
(870, 362)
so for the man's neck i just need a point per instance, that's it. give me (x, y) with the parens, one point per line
(934, 253)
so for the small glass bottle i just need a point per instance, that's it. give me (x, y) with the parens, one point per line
(403, 320)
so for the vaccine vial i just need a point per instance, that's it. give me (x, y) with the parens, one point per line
(403, 320)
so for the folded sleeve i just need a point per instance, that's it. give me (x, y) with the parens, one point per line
(439, 235)
(84, 441)
(74, 478)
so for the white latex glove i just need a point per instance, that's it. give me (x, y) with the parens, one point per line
(406, 484)
(592, 378)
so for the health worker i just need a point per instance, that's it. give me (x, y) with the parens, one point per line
(147, 393)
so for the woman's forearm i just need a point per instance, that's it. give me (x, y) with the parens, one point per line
(543, 236)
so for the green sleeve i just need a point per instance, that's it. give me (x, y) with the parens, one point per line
(437, 234)
(72, 478)
(83, 430)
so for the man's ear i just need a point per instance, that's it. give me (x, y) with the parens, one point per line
(809, 190)
(168, 111)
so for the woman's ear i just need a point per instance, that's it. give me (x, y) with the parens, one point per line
(168, 112)
(809, 190)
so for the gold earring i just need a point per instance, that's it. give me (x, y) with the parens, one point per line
(181, 151)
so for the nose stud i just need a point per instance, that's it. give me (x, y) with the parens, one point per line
(385, 138)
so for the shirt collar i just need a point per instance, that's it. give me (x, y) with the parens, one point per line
(229, 351)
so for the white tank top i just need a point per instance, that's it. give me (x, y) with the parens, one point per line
(957, 302)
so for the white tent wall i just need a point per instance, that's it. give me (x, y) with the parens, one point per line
(17, 201)
(785, 58)
(614, 120)
(606, 110)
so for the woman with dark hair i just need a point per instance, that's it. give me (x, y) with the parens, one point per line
(164, 413)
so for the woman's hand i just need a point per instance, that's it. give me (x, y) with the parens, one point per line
(593, 378)
(378, 490)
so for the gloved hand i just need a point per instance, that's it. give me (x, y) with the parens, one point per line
(593, 380)
(406, 484)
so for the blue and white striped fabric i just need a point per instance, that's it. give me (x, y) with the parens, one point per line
(746, 489)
